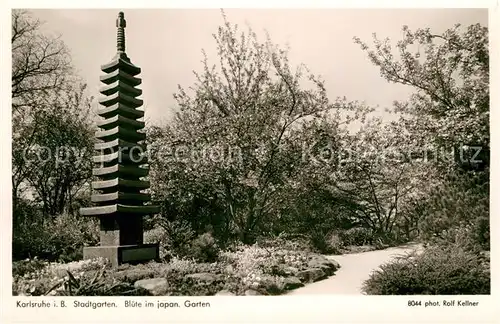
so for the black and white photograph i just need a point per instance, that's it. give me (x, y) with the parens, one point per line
(250, 152)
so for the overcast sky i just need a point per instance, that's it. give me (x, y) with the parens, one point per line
(167, 44)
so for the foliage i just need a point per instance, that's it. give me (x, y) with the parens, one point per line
(458, 211)
(335, 243)
(229, 157)
(181, 285)
(158, 235)
(262, 268)
(205, 249)
(380, 177)
(481, 232)
(285, 241)
(23, 267)
(58, 239)
(326, 243)
(357, 236)
(451, 75)
(177, 238)
(447, 122)
(36, 277)
(52, 131)
(252, 265)
(450, 270)
(59, 156)
(96, 285)
(309, 208)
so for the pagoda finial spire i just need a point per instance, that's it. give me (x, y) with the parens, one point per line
(120, 36)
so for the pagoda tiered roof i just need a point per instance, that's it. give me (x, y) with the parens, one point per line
(121, 161)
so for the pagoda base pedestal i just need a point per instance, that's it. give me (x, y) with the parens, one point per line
(119, 254)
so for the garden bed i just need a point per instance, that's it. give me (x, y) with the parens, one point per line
(245, 270)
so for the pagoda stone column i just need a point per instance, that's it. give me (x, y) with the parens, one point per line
(120, 165)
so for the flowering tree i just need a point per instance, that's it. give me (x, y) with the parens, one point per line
(450, 74)
(232, 144)
(450, 109)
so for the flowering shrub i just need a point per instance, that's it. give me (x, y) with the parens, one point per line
(288, 242)
(189, 266)
(260, 268)
(471, 236)
(257, 267)
(20, 268)
(178, 271)
(44, 275)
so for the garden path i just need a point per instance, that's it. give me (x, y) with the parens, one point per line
(355, 269)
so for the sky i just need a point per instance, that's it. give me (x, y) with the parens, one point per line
(167, 44)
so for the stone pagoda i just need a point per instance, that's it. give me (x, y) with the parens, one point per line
(118, 195)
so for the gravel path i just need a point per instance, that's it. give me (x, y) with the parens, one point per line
(355, 269)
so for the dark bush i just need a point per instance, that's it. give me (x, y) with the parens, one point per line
(178, 237)
(481, 232)
(439, 270)
(59, 239)
(459, 206)
(319, 242)
(357, 236)
(331, 243)
(204, 248)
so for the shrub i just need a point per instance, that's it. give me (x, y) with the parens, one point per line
(178, 237)
(59, 239)
(23, 267)
(250, 264)
(155, 235)
(43, 277)
(158, 235)
(438, 270)
(293, 242)
(357, 236)
(84, 278)
(95, 283)
(25, 212)
(264, 269)
(460, 234)
(472, 236)
(460, 206)
(335, 243)
(204, 248)
(180, 284)
(319, 242)
(327, 243)
(481, 232)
